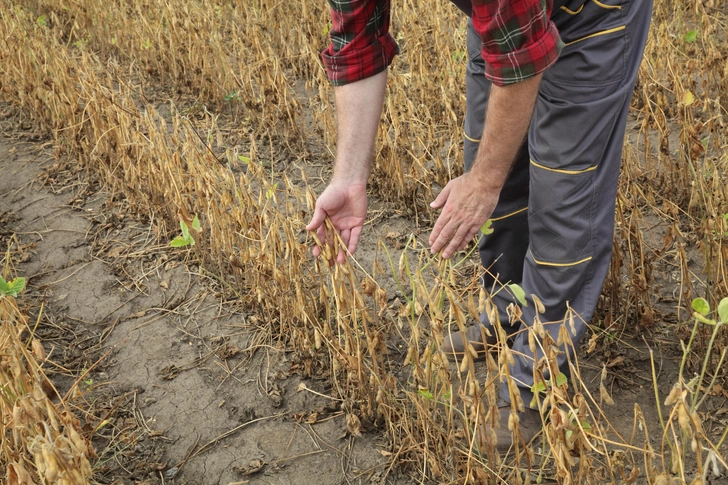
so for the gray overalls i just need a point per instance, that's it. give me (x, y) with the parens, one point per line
(554, 223)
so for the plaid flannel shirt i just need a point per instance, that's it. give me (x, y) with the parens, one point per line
(519, 39)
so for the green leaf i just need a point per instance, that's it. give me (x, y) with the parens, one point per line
(269, 194)
(41, 21)
(196, 224)
(486, 229)
(538, 387)
(245, 160)
(561, 379)
(568, 434)
(446, 396)
(701, 306)
(702, 319)
(425, 393)
(179, 242)
(185, 229)
(15, 287)
(518, 293)
(691, 36)
(723, 310)
(233, 95)
(586, 426)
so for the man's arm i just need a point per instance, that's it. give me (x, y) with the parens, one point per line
(356, 62)
(358, 109)
(519, 43)
(469, 200)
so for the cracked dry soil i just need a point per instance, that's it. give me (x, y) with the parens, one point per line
(174, 380)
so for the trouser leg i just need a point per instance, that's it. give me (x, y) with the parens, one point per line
(502, 252)
(575, 143)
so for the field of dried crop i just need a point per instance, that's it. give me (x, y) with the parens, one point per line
(232, 356)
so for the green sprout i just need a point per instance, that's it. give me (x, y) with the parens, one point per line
(11, 288)
(186, 238)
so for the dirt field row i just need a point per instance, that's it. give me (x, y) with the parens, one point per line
(241, 359)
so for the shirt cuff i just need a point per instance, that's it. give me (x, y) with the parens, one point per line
(350, 65)
(531, 60)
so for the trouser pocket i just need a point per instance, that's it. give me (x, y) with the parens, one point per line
(594, 39)
(560, 224)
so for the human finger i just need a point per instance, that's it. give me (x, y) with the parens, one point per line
(317, 220)
(457, 242)
(440, 223)
(443, 236)
(354, 239)
(442, 197)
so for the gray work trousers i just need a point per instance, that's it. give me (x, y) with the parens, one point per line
(554, 222)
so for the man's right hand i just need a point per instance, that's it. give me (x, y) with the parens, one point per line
(346, 207)
(358, 108)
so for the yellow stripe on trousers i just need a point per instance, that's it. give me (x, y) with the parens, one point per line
(567, 172)
(559, 265)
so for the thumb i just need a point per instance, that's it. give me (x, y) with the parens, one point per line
(441, 198)
(318, 218)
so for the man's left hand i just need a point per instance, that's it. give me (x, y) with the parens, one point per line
(467, 202)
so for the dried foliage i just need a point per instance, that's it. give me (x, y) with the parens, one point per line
(41, 441)
(84, 71)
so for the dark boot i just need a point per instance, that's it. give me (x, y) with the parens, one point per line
(453, 343)
(530, 425)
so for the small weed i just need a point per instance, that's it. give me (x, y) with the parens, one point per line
(186, 238)
(234, 96)
(11, 288)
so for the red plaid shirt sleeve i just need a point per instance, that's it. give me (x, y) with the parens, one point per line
(519, 39)
(361, 45)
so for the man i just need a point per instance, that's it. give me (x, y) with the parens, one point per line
(548, 88)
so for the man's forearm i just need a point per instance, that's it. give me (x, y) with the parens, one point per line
(358, 109)
(506, 125)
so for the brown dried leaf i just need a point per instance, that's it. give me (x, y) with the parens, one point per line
(38, 349)
(605, 395)
(353, 424)
(615, 361)
(18, 475)
(253, 467)
(368, 287)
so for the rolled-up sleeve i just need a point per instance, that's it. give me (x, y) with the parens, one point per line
(361, 45)
(519, 38)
